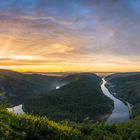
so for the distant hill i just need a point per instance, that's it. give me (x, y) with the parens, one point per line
(80, 98)
(17, 87)
(127, 87)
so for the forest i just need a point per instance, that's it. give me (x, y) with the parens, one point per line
(79, 99)
(127, 87)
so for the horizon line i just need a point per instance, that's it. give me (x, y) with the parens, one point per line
(71, 71)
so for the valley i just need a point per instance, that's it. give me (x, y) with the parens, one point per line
(126, 87)
(18, 87)
(121, 111)
(79, 99)
(76, 106)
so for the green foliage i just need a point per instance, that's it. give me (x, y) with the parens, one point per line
(19, 87)
(127, 87)
(37, 128)
(136, 110)
(75, 101)
(29, 127)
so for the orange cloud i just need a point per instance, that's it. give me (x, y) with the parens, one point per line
(61, 48)
(50, 44)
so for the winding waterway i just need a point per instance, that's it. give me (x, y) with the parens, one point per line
(120, 112)
(16, 109)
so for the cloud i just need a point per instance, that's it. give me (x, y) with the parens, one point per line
(75, 31)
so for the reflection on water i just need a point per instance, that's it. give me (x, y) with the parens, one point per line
(57, 87)
(120, 112)
(16, 109)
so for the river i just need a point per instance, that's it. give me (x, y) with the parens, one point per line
(120, 112)
(16, 109)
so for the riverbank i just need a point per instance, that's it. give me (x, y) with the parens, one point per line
(130, 106)
(120, 112)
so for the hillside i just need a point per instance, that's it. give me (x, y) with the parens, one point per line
(18, 87)
(29, 127)
(80, 98)
(127, 87)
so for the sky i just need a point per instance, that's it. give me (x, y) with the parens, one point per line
(70, 35)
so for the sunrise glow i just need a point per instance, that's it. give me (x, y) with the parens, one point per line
(61, 36)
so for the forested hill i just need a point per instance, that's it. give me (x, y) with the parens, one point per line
(127, 87)
(79, 96)
(79, 93)
(79, 99)
(18, 87)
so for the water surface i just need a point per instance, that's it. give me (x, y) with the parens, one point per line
(16, 109)
(120, 112)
